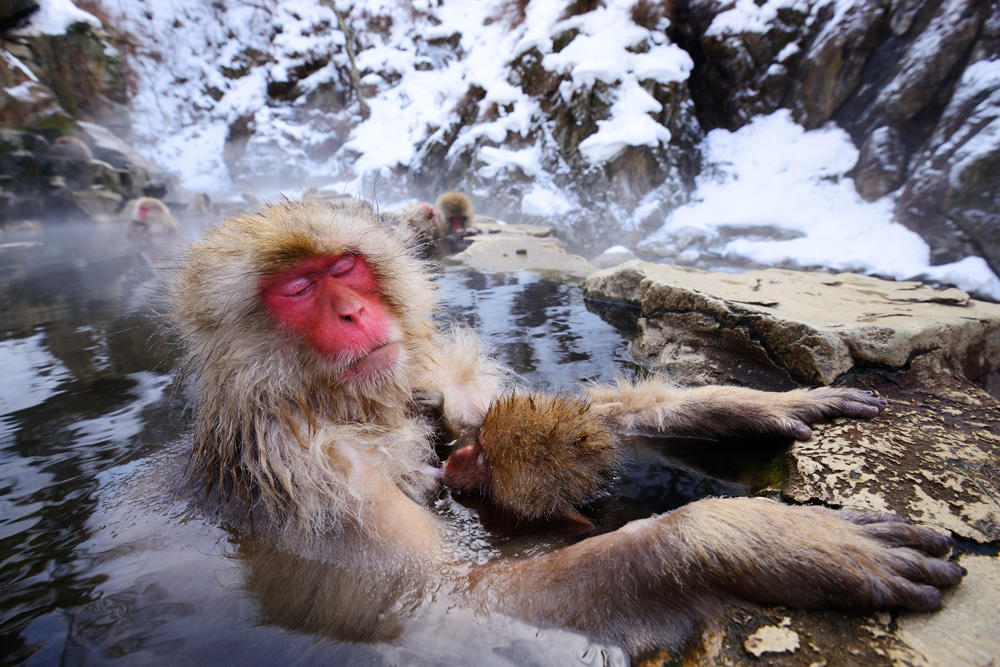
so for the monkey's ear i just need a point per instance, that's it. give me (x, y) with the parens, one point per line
(572, 522)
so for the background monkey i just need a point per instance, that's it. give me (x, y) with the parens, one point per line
(72, 147)
(455, 213)
(152, 230)
(424, 221)
(451, 214)
(308, 329)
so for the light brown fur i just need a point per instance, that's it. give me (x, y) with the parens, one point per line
(335, 470)
(155, 234)
(424, 221)
(451, 207)
(546, 454)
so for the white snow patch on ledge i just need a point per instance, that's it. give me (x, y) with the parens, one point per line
(545, 202)
(773, 173)
(54, 17)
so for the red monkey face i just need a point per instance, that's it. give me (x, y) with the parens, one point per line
(333, 302)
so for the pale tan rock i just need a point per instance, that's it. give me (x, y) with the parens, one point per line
(772, 639)
(816, 325)
(486, 225)
(98, 203)
(965, 632)
(507, 252)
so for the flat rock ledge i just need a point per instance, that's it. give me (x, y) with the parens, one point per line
(814, 326)
(933, 456)
(521, 248)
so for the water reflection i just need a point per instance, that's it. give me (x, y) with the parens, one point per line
(89, 407)
(540, 328)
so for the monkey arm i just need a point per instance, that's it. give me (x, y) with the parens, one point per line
(459, 380)
(655, 406)
(661, 577)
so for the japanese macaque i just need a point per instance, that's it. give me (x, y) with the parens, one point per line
(455, 213)
(200, 205)
(151, 230)
(423, 220)
(308, 327)
(538, 457)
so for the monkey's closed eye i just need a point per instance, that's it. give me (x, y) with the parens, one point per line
(343, 265)
(296, 287)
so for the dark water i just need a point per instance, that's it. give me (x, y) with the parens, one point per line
(98, 567)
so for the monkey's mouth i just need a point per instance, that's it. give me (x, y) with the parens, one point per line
(376, 364)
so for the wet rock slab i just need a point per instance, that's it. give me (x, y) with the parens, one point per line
(814, 326)
(522, 248)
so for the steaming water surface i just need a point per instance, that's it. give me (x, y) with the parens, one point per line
(100, 565)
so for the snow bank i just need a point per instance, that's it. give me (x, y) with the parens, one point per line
(54, 17)
(773, 174)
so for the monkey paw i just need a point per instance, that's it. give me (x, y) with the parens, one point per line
(803, 407)
(818, 558)
(903, 564)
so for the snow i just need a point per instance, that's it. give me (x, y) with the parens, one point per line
(545, 202)
(770, 174)
(15, 64)
(774, 174)
(748, 16)
(54, 17)
(629, 125)
(981, 79)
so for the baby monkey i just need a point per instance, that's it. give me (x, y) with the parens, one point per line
(536, 457)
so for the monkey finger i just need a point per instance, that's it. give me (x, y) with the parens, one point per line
(920, 569)
(864, 397)
(913, 596)
(906, 535)
(856, 409)
(793, 428)
(865, 517)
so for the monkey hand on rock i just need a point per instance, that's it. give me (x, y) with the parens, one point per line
(690, 563)
(812, 557)
(654, 406)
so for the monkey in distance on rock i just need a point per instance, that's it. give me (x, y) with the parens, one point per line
(455, 213)
(308, 327)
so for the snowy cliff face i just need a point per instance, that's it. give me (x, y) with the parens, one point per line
(596, 122)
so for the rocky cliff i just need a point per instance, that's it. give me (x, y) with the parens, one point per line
(65, 125)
